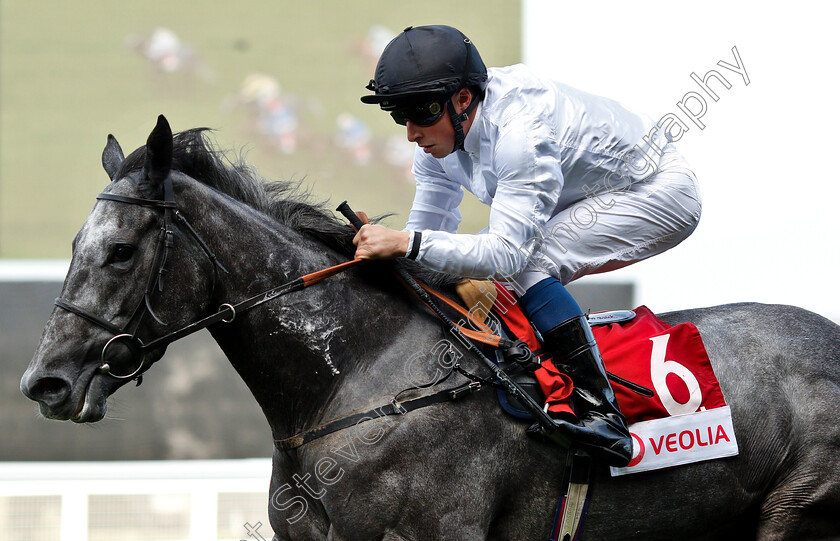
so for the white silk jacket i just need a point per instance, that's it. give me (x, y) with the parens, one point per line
(534, 148)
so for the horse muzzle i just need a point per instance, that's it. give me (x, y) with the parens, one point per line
(83, 400)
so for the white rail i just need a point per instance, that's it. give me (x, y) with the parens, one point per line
(36, 270)
(207, 500)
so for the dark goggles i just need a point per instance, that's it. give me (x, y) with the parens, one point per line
(423, 114)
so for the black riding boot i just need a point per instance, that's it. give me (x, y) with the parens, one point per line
(601, 429)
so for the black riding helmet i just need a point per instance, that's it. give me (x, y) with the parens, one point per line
(424, 65)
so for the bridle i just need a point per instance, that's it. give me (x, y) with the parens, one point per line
(155, 282)
(226, 313)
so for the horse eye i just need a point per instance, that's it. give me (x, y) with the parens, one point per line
(122, 252)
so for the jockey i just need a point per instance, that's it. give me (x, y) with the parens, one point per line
(576, 185)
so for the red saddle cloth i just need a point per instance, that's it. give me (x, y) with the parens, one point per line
(670, 360)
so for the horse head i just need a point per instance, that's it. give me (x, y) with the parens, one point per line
(134, 275)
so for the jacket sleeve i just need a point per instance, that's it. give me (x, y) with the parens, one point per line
(526, 163)
(436, 198)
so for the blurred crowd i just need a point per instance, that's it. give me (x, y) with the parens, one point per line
(278, 116)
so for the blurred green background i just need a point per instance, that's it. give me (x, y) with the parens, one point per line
(73, 71)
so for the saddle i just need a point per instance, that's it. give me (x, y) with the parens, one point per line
(493, 307)
(661, 374)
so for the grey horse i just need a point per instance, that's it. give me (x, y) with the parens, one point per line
(450, 471)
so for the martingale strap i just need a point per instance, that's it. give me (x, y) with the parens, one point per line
(392, 408)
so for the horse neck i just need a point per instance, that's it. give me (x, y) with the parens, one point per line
(308, 353)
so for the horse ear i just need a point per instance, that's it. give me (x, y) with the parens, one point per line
(112, 157)
(158, 156)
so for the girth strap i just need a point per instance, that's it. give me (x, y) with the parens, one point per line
(393, 408)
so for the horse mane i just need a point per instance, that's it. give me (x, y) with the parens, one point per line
(286, 201)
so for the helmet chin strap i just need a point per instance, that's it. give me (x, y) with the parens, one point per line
(457, 119)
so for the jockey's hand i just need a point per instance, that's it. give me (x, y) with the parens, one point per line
(375, 241)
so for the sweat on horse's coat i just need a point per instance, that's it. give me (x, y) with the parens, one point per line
(447, 472)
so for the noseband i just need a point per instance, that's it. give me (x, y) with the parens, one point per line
(165, 244)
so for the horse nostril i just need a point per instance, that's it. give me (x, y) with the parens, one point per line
(50, 391)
